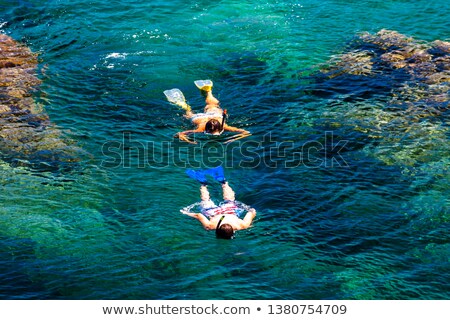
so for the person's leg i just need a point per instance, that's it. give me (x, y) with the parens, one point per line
(205, 87)
(204, 193)
(187, 108)
(210, 100)
(228, 193)
(206, 203)
(189, 114)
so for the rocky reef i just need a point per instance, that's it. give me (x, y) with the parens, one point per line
(396, 90)
(425, 67)
(388, 94)
(27, 136)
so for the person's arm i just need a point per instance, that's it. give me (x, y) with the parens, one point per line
(248, 219)
(183, 136)
(234, 129)
(242, 133)
(203, 220)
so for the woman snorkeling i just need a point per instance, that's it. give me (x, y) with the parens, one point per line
(211, 121)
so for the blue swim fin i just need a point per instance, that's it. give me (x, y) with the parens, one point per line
(198, 175)
(217, 173)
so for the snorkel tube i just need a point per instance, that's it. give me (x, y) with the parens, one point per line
(218, 226)
(224, 116)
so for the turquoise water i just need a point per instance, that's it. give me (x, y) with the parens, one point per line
(373, 225)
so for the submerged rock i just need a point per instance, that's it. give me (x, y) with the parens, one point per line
(395, 89)
(386, 39)
(27, 137)
(356, 63)
(385, 52)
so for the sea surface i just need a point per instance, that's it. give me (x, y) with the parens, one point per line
(341, 214)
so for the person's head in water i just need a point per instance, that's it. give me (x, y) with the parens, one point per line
(225, 231)
(213, 126)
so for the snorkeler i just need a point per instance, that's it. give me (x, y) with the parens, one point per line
(225, 217)
(211, 121)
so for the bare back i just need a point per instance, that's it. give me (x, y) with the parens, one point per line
(230, 219)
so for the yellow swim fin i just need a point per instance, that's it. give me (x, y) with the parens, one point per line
(204, 85)
(176, 97)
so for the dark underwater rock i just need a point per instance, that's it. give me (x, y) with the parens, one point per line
(27, 137)
(396, 90)
(389, 55)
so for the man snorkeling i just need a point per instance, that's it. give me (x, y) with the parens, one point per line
(225, 217)
(211, 121)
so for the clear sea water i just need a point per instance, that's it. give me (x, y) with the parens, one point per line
(374, 227)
